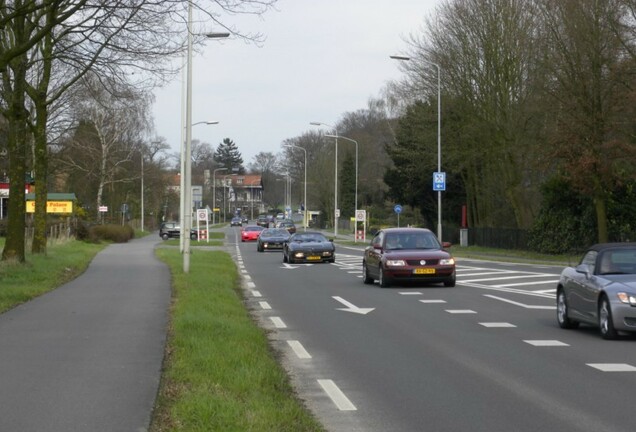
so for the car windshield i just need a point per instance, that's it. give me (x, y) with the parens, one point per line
(618, 261)
(309, 238)
(253, 228)
(275, 233)
(411, 241)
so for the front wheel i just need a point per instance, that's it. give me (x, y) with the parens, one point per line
(382, 279)
(605, 320)
(366, 278)
(450, 282)
(284, 257)
(562, 312)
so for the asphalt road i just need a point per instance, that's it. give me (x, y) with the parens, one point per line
(87, 356)
(486, 355)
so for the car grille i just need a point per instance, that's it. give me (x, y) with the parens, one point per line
(417, 262)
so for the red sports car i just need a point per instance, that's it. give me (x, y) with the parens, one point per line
(251, 232)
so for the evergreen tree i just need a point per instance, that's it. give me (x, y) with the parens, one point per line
(228, 155)
(347, 186)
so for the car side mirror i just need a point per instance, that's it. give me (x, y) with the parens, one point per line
(583, 268)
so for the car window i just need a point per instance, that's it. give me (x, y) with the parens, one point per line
(590, 259)
(618, 261)
(377, 240)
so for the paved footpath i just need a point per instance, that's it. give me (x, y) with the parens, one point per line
(87, 356)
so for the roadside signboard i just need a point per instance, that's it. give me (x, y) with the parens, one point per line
(439, 181)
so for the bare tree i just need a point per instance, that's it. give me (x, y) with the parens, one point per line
(112, 38)
(589, 91)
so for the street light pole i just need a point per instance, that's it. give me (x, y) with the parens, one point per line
(187, 160)
(305, 183)
(335, 190)
(214, 194)
(355, 205)
(142, 192)
(439, 136)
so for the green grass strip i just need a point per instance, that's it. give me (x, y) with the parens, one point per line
(20, 283)
(220, 373)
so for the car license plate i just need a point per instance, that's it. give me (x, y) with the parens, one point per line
(424, 271)
(313, 258)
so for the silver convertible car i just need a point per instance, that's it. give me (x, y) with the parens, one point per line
(601, 290)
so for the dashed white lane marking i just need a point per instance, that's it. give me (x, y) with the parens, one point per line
(460, 311)
(509, 277)
(298, 349)
(613, 367)
(336, 395)
(407, 293)
(251, 285)
(247, 277)
(256, 294)
(497, 325)
(432, 301)
(278, 322)
(546, 343)
(264, 305)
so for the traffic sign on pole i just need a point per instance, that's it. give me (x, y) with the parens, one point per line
(439, 181)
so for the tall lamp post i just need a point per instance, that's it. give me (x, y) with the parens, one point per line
(439, 137)
(355, 205)
(187, 160)
(224, 212)
(214, 194)
(335, 189)
(305, 183)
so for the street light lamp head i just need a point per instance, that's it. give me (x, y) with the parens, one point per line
(400, 57)
(217, 35)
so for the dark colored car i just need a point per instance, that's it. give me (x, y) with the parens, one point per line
(263, 220)
(407, 255)
(600, 290)
(309, 247)
(169, 230)
(272, 238)
(245, 220)
(288, 225)
(236, 221)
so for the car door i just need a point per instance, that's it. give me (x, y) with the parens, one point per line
(577, 289)
(373, 254)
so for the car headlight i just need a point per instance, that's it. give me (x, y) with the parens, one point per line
(627, 298)
(395, 263)
(447, 261)
(326, 253)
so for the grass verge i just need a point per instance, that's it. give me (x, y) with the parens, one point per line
(20, 283)
(220, 373)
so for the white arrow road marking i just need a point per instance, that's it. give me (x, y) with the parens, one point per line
(519, 304)
(351, 307)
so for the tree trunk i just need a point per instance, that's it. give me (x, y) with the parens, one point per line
(601, 218)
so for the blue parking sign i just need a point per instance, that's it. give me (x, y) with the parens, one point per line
(397, 209)
(439, 181)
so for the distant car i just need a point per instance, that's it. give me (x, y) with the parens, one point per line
(288, 225)
(309, 247)
(272, 238)
(245, 220)
(236, 221)
(263, 220)
(600, 290)
(169, 230)
(407, 255)
(251, 232)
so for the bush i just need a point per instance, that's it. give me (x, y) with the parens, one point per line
(114, 233)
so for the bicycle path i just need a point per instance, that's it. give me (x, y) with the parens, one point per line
(88, 355)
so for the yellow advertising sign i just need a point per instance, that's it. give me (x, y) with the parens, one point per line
(52, 206)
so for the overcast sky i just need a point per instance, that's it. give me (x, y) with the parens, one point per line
(320, 59)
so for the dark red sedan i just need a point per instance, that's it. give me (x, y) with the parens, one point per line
(407, 255)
